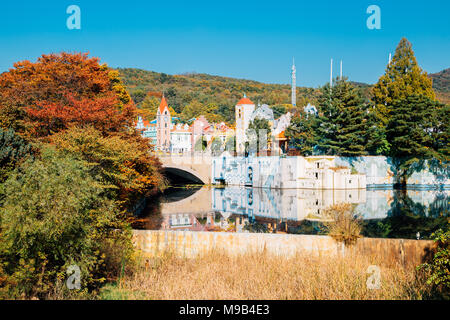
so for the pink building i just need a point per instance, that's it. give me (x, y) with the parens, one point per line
(200, 128)
(163, 126)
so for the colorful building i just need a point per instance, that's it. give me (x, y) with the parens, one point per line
(163, 127)
(180, 137)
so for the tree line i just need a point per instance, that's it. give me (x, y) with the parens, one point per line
(402, 119)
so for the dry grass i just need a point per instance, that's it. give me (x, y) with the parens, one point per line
(341, 224)
(262, 276)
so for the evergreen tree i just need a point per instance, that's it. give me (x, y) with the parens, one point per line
(441, 131)
(301, 133)
(13, 149)
(403, 77)
(258, 129)
(341, 127)
(376, 141)
(411, 133)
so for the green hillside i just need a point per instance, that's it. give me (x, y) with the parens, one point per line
(222, 92)
(441, 85)
(186, 93)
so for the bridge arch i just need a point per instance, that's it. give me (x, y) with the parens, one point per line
(185, 174)
(192, 169)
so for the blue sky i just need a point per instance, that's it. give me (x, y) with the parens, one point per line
(244, 39)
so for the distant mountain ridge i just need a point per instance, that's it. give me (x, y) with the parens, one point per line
(441, 85)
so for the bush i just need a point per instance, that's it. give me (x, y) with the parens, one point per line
(122, 163)
(54, 215)
(439, 266)
(342, 225)
(12, 150)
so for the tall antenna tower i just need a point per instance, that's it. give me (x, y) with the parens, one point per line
(390, 59)
(294, 84)
(331, 73)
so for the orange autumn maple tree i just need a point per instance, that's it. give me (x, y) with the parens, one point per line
(62, 92)
(58, 88)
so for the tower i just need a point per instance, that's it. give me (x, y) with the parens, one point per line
(163, 126)
(294, 85)
(244, 109)
(331, 73)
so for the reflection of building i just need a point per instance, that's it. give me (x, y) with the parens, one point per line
(232, 208)
(190, 222)
(281, 205)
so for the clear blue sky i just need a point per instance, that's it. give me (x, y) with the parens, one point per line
(244, 39)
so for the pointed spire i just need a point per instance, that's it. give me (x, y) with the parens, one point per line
(163, 104)
(390, 59)
(341, 71)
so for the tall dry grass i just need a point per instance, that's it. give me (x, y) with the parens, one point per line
(263, 276)
(341, 224)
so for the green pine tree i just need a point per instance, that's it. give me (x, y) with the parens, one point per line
(342, 122)
(301, 133)
(403, 77)
(411, 133)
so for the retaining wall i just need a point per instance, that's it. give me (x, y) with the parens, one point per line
(192, 243)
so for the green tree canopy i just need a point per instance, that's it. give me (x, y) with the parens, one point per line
(301, 132)
(341, 127)
(403, 78)
(259, 134)
(54, 215)
(411, 131)
(13, 149)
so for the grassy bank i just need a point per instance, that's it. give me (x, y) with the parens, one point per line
(262, 276)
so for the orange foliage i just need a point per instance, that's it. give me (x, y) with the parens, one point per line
(59, 89)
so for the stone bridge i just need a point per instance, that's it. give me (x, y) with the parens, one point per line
(195, 168)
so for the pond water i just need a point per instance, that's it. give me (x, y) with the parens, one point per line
(384, 212)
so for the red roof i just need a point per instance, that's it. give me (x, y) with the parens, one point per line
(244, 101)
(163, 105)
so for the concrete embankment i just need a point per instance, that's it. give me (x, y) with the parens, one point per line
(191, 243)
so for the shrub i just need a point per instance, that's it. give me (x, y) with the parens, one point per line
(342, 225)
(12, 150)
(123, 164)
(439, 266)
(54, 215)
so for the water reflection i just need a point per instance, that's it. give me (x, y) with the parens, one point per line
(386, 213)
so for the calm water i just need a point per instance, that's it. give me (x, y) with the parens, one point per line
(385, 213)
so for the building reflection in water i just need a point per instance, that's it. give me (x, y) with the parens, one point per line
(240, 209)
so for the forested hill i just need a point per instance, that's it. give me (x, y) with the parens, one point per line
(224, 92)
(441, 85)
